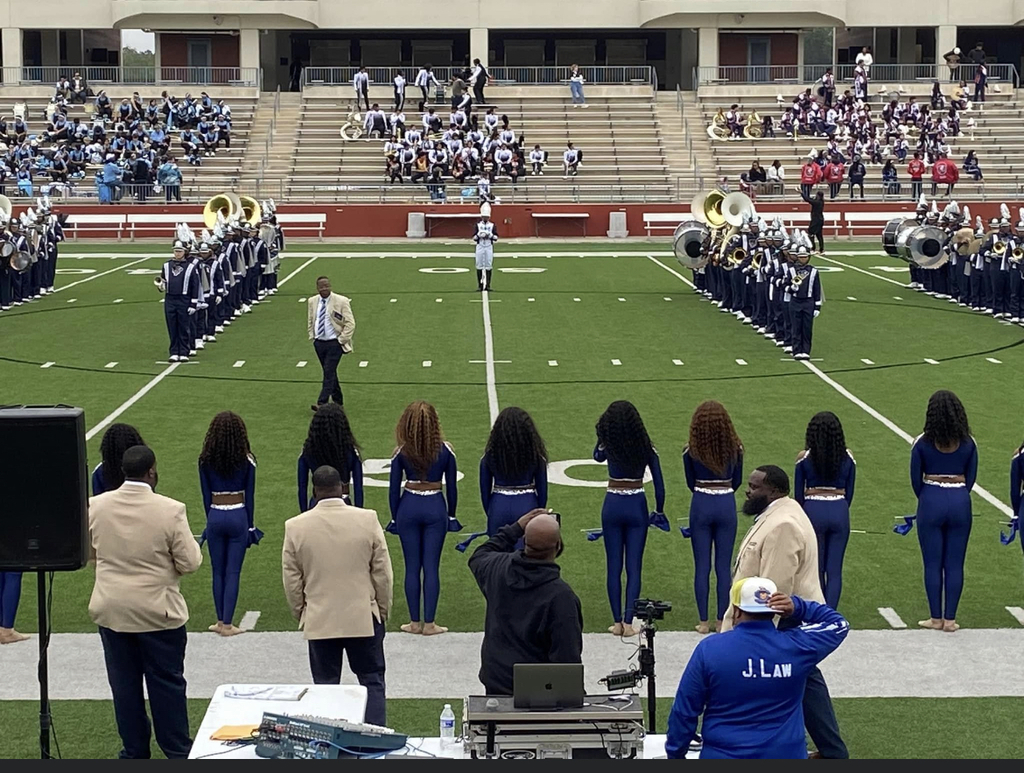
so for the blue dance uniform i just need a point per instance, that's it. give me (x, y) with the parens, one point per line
(99, 485)
(829, 514)
(943, 518)
(506, 500)
(308, 465)
(1017, 486)
(422, 521)
(227, 531)
(712, 522)
(10, 596)
(624, 523)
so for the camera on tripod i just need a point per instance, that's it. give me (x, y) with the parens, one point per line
(648, 609)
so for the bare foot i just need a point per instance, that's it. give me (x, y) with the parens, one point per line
(412, 628)
(216, 627)
(719, 624)
(433, 629)
(10, 636)
(934, 624)
(628, 631)
(230, 630)
(703, 628)
(615, 630)
(950, 626)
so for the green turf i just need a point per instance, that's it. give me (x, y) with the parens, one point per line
(770, 400)
(873, 728)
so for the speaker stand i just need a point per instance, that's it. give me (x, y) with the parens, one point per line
(44, 677)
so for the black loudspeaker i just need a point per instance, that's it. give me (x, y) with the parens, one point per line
(44, 520)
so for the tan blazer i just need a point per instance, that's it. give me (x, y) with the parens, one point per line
(339, 314)
(141, 545)
(336, 570)
(782, 546)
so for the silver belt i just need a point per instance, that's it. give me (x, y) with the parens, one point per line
(714, 491)
(944, 484)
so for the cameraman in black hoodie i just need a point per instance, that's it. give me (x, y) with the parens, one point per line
(533, 616)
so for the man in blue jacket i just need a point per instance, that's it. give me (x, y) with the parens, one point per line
(749, 681)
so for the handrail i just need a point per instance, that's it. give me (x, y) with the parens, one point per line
(879, 73)
(134, 76)
(595, 75)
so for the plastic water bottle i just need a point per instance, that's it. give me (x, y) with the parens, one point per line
(447, 728)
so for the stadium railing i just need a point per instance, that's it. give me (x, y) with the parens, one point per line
(809, 73)
(597, 75)
(136, 76)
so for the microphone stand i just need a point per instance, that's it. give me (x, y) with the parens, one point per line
(646, 658)
(44, 679)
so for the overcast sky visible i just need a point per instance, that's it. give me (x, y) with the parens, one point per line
(137, 39)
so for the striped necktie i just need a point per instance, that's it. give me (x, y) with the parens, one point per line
(321, 319)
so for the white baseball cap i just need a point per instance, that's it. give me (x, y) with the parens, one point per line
(752, 593)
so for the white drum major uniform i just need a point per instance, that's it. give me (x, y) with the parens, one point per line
(485, 236)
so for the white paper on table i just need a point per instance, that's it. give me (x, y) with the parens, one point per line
(266, 692)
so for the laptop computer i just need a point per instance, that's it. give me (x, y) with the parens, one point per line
(547, 685)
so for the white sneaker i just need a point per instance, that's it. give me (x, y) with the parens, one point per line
(1014, 319)
(801, 356)
(788, 349)
(246, 308)
(17, 303)
(192, 353)
(584, 105)
(219, 329)
(565, 177)
(211, 339)
(50, 289)
(173, 358)
(184, 358)
(200, 345)
(43, 291)
(780, 343)
(762, 331)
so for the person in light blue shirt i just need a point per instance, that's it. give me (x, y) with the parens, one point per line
(749, 682)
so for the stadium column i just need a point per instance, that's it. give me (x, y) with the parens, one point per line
(945, 41)
(479, 43)
(11, 40)
(707, 54)
(249, 48)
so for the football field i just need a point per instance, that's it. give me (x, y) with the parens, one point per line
(568, 329)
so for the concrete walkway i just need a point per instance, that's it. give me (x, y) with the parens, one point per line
(970, 663)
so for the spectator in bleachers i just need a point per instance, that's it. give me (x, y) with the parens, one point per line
(169, 177)
(810, 175)
(576, 86)
(768, 127)
(376, 122)
(59, 166)
(776, 177)
(223, 126)
(971, 166)
(211, 139)
(916, 169)
(944, 172)
(460, 91)
(538, 158)
(63, 89)
(79, 89)
(833, 174)
(425, 80)
(478, 79)
(431, 122)
(890, 179)
(828, 87)
(25, 179)
(977, 54)
(757, 176)
(952, 59)
(856, 176)
(980, 81)
(205, 103)
(938, 99)
(104, 109)
(490, 121)
(420, 167)
(571, 161)
(190, 144)
(19, 129)
(436, 186)
(152, 113)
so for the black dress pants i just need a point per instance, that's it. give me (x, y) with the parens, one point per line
(365, 658)
(329, 353)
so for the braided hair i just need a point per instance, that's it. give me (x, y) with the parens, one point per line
(826, 444)
(419, 436)
(945, 423)
(116, 440)
(226, 448)
(330, 440)
(515, 448)
(713, 439)
(622, 433)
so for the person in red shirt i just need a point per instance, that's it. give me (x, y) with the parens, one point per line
(916, 169)
(810, 175)
(944, 172)
(834, 173)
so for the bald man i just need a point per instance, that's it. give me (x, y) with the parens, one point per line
(533, 616)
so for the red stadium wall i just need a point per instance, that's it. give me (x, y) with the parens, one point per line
(174, 50)
(513, 220)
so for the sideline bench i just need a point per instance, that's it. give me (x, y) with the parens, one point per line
(539, 216)
(303, 221)
(668, 220)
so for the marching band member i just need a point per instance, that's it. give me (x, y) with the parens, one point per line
(330, 442)
(107, 475)
(823, 485)
(361, 85)
(197, 322)
(227, 478)
(943, 468)
(538, 158)
(1016, 491)
(570, 161)
(19, 281)
(623, 442)
(485, 235)
(513, 470)
(424, 80)
(1016, 301)
(214, 293)
(419, 511)
(179, 281)
(1001, 264)
(805, 305)
(375, 122)
(399, 91)
(713, 463)
(978, 265)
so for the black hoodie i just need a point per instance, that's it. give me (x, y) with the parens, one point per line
(533, 616)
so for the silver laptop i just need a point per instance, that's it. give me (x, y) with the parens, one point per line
(547, 685)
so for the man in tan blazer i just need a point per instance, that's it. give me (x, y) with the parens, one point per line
(338, 582)
(141, 545)
(782, 546)
(330, 325)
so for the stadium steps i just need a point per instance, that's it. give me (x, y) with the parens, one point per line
(266, 167)
(675, 127)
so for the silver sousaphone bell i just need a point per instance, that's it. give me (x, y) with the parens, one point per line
(19, 260)
(688, 244)
(922, 245)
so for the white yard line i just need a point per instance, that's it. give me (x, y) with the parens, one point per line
(110, 365)
(891, 617)
(862, 271)
(1018, 614)
(868, 362)
(48, 364)
(103, 273)
(131, 400)
(492, 387)
(981, 492)
(249, 620)
(930, 361)
(296, 271)
(239, 363)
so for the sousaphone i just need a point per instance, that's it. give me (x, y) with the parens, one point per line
(223, 206)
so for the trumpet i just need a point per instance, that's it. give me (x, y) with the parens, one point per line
(1017, 255)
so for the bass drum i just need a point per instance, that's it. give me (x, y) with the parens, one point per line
(891, 235)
